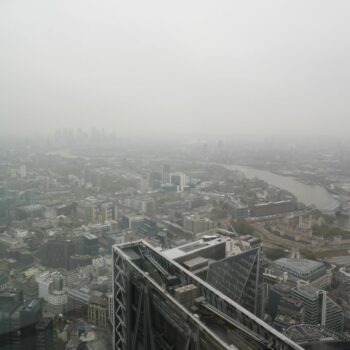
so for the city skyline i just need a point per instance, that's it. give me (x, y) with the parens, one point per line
(174, 175)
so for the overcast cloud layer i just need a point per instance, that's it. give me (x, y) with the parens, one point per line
(202, 66)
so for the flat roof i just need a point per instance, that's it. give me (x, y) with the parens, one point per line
(272, 203)
(299, 265)
(175, 253)
(90, 236)
(196, 261)
(307, 290)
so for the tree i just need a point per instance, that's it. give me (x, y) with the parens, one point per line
(243, 227)
(275, 253)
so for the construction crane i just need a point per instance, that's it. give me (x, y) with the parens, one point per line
(232, 233)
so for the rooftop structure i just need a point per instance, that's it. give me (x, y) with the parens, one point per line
(219, 260)
(89, 236)
(203, 246)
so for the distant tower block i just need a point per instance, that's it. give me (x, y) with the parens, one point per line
(301, 222)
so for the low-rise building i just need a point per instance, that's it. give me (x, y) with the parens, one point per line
(197, 223)
(98, 309)
(342, 275)
(318, 274)
(273, 208)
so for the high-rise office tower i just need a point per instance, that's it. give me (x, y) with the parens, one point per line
(160, 304)
(165, 171)
(179, 180)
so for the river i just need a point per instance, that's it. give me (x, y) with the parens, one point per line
(307, 194)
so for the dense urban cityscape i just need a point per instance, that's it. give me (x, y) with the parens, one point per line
(174, 175)
(97, 234)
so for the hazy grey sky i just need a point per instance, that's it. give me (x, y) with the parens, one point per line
(147, 66)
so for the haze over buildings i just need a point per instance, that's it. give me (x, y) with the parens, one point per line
(174, 175)
(195, 68)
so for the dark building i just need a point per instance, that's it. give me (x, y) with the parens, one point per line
(20, 323)
(79, 260)
(78, 301)
(144, 226)
(90, 244)
(290, 311)
(238, 277)
(124, 222)
(44, 334)
(7, 206)
(57, 252)
(67, 209)
(275, 294)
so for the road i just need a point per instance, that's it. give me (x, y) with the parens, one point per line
(271, 240)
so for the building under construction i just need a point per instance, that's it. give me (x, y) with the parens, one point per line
(161, 304)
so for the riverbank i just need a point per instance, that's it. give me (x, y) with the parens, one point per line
(311, 195)
(307, 194)
(306, 178)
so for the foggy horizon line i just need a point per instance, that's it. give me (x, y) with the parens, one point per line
(76, 133)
